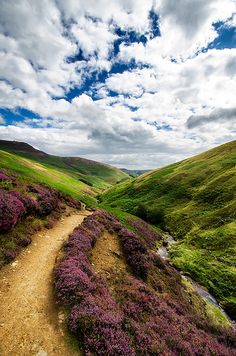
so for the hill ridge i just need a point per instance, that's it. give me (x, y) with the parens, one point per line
(74, 176)
(25, 147)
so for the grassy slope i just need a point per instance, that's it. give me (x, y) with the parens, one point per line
(78, 177)
(52, 177)
(194, 200)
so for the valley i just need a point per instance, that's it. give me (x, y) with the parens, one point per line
(117, 178)
(150, 256)
(194, 200)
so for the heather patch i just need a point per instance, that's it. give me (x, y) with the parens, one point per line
(11, 210)
(4, 177)
(145, 313)
(150, 236)
(24, 209)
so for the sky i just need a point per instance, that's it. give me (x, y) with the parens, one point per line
(133, 83)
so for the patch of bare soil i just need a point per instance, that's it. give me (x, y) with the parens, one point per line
(30, 323)
(108, 260)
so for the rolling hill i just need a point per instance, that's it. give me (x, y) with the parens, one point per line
(75, 176)
(195, 201)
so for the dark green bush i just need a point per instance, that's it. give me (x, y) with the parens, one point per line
(141, 211)
(155, 215)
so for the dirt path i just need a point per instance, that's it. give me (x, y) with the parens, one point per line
(29, 320)
(107, 259)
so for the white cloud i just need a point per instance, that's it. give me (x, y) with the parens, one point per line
(187, 25)
(145, 124)
(133, 82)
(177, 89)
(126, 13)
(94, 38)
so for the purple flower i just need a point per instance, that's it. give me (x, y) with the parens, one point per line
(4, 177)
(135, 319)
(11, 210)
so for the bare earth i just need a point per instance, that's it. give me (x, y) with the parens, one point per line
(107, 259)
(30, 323)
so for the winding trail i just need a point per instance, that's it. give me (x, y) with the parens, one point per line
(30, 323)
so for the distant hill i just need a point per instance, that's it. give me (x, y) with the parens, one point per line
(195, 200)
(134, 172)
(76, 176)
(21, 147)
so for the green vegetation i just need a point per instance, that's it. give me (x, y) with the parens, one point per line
(203, 307)
(77, 177)
(135, 172)
(53, 177)
(195, 201)
(125, 218)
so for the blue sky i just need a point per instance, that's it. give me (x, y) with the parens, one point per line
(136, 84)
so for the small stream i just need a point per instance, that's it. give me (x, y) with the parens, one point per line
(163, 252)
(206, 295)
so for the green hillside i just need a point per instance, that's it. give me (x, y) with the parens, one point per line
(135, 172)
(195, 201)
(78, 177)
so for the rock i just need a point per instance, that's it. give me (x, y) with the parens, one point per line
(117, 254)
(61, 317)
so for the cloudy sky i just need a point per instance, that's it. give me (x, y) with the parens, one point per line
(133, 83)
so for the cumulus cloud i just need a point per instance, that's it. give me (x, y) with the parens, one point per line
(187, 25)
(126, 13)
(143, 99)
(217, 115)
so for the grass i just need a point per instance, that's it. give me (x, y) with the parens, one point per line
(62, 178)
(195, 201)
(36, 172)
(78, 177)
(124, 217)
(203, 307)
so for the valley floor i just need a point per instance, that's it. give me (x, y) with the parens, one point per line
(29, 321)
